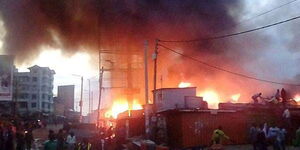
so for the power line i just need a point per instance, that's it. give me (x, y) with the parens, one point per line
(232, 34)
(225, 70)
(266, 12)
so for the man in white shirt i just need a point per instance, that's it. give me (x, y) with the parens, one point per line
(71, 140)
(287, 117)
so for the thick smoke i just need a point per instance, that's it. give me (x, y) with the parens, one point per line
(74, 25)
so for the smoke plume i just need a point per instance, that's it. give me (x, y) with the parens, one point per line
(90, 25)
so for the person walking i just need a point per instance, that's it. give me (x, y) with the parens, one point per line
(71, 140)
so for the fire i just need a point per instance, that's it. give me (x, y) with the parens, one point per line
(211, 97)
(120, 106)
(184, 84)
(297, 98)
(236, 97)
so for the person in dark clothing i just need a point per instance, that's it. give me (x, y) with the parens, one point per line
(51, 134)
(1, 138)
(9, 138)
(51, 144)
(283, 96)
(261, 140)
(28, 139)
(253, 136)
(20, 140)
(60, 140)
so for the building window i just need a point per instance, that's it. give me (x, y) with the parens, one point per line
(33, 105)
(33, 96)
(23, 104)
(44, 96)
(34, 79)
(23, 96)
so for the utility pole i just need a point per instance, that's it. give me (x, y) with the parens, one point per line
(154, 56)
(89, 100)
(81, 103)
(146, 109)
(100, 94)
(92, 100)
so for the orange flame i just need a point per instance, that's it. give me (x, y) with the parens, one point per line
(236, 97)
(211, 97)
(297, 98)
(120, 106)
(184, 84)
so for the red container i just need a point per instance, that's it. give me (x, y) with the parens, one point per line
(194, 128)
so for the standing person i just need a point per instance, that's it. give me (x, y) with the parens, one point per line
(218, 136)
(296, 142)
(281, 138)
(71, 140)
(28, 139)
(60, 140)
(272, 136)
(51, 134)
(2, 139)
(255, 97)
(261, 139)
(287, 117)
(9, 139)
(253, 136)
(277, 95)
(51, 144)
(20, 139)
(283, 96)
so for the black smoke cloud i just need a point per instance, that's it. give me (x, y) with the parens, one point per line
(71, 24)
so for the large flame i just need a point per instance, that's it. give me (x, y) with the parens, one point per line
(235, 97)
(297, 98)
(120, 106)
(211, 97)
(184, 84)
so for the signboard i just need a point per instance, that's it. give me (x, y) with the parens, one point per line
(6, 77)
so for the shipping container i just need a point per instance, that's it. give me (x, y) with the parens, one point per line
(192, 128)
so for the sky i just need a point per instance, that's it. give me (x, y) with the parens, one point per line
(277, 57)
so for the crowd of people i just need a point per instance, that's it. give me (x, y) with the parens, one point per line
(280, 96)
(17, 136)
(66, 140)
(261, 136)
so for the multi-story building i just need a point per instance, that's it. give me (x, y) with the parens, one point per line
(65, 95)
(33, 90)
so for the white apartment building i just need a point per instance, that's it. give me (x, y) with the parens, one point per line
(33, 90)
